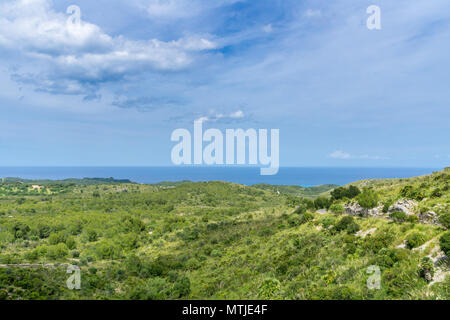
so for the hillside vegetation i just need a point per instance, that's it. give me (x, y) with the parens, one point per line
(217, 240)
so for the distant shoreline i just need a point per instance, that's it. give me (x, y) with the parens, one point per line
(296, 176)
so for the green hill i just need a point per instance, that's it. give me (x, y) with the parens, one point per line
(307, 192)
(216, 240)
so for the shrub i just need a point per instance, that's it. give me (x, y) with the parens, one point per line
(368, 198)
(322, 203)
(32, 255)
(301, 208)
(131, 224)
(342, 192)
(106, 249)
(412, 219)
(20, 230)
(426, 270)
(437, 193)
(152, 289)
(337, 208)
(56, 238)
(387, 258)
(92, 270)
(348, 224)
(306, 217)
(387, 204)
(379, 241)
(57, 251)
(328, 221)
(44, 231)
(269, 288)
(412, 193)
(398, 216)
(71, 243)
(91, 235)
(415, 239)
(76, 228)
(444, 243)
(444, 219)
(182, 287)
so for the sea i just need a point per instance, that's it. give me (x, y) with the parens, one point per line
(300, 176)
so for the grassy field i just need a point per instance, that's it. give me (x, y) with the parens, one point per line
(220, 240)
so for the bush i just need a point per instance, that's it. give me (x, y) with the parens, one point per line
(44, 231)
(57, 251)
(412, 193)
(415, 239)
(152, 289)
(386, 205)
(444, 243)
(348, 224)
(387, 258)
(20, 230)
(337, 208)
(182, 287)
(444, 219)
(322, 203)
(426, 270)
(301, 208)
(71, 243)
(328, 221)
(91, 235)
(368, 199)
(306, 217)
(437, 193)
(342, 192)
(269, 288)
(379, 241)
(412, 219)
(56, 238)
(106, 249)
(131, 224)
(398, 216)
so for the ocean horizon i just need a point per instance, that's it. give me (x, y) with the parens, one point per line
(300, 176)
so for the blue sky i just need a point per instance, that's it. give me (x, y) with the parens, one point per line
(112, 91)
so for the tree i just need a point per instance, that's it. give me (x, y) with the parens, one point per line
(342, 192)
(322, 203)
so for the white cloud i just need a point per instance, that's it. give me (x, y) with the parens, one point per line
(214, 117)
(237, 115)
(268, 28)
(310, 13)
(339, 154)
(180, 8)
(81, 52)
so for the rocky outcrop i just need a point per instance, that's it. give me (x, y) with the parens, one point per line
(406, 206)
(355, 209)
(429, 217)
(363, 234)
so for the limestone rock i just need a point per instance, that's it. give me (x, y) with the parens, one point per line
(406, 206)
(354, 209)
(429, 217)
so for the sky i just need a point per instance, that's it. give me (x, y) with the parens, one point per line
(110, 88)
